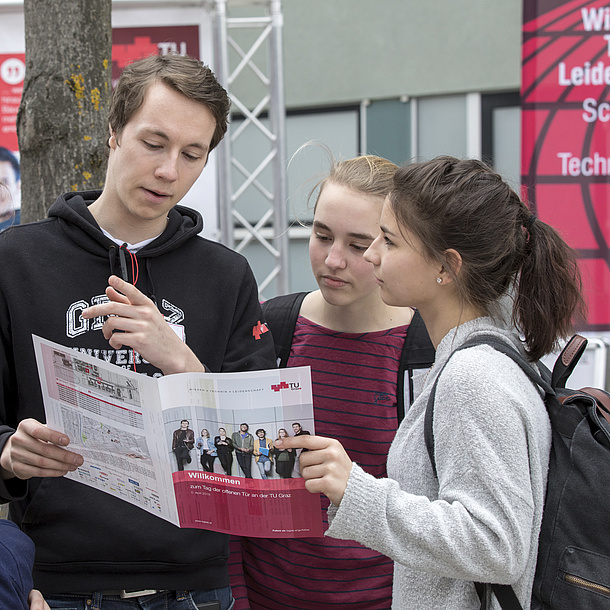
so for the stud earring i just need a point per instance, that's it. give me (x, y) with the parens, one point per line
(439, 280)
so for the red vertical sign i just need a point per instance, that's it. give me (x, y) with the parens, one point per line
(565, 97)
(12, 73)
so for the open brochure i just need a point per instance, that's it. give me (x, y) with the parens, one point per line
(131, 431)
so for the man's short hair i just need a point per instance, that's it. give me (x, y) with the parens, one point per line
(7, 156)
(183, 74)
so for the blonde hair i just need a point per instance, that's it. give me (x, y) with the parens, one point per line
(368, 174)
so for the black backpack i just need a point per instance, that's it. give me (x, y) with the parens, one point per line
(573, 567)
(418, 353)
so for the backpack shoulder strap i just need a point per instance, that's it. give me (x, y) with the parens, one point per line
(507, 598)
(417, 353)
(281, 315)
(568, 359)
(499, 346)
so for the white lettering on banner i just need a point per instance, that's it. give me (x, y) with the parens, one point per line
(599, 74)
(213, 477)
(594, 111)
(171, 48)
(572, 165)
(595, 19)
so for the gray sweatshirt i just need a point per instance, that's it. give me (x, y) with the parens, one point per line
(481, 520)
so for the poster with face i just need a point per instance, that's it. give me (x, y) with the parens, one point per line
(565, 97)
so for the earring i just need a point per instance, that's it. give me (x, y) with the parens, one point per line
(439, 280)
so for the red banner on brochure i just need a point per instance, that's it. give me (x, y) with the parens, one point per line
(565, 133)
(272, 508)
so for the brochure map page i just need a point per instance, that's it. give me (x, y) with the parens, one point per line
(123, 423)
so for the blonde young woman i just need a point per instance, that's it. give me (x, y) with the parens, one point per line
(207, 450)
(356, 346)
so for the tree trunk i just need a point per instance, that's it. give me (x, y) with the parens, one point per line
(62, 123)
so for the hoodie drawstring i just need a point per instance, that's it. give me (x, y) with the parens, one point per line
(151, 296)
(112, 252)
(123, 262)
(112, 256)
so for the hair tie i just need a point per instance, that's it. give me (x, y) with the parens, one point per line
(527, 227)
(529, 223)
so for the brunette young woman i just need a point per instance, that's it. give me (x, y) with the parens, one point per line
(457, 243)
(207, 450)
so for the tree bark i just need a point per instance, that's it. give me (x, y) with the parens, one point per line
(62, 123)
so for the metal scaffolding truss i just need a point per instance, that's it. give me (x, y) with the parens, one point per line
(234, 178)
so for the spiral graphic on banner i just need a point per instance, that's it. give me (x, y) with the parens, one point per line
(565, 134)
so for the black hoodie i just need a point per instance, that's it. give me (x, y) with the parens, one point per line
(87, 540)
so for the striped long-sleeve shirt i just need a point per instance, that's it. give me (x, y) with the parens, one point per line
(354, 393)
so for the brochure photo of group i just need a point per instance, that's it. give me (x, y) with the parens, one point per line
(242, 450)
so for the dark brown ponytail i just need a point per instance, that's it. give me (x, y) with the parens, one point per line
(549, 290)
(464, 205)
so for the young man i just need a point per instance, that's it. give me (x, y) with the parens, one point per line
(243, 442)
(194, 309)
(298, 431)
(183, 441)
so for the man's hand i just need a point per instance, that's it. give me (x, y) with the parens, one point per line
(36, 601)
(325, 466)
(142, 327)
(37, 451)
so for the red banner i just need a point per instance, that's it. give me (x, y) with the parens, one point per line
(12, 73)
(272, 508)
(565, 133)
